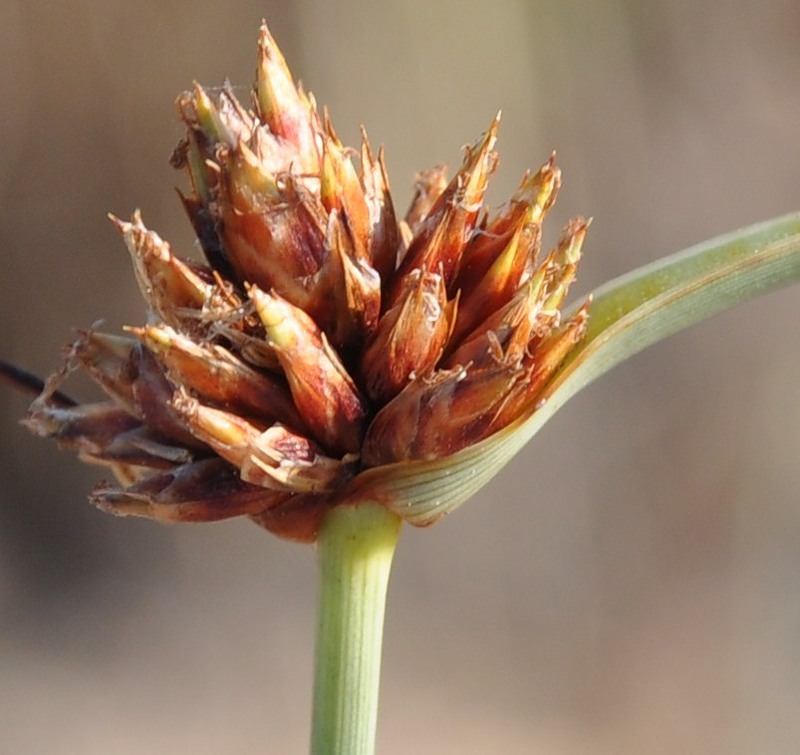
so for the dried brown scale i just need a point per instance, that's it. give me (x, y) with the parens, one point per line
(528, 206)
(428, 187)
(438, 415)
(89, 428)
(410, 337)
(140, 448)
(323, 390)
(346, 290)
(341, 189)
(438, 243)
(384, 233)
(196, 492)
(273, 457)
(540, 365)
(167, 283)
(324, 337)
(106, 359)
(205, 228)
(272, 229)
(219, 376)
(500, 283)
(504, 335)
(153, 392)
(284, 108)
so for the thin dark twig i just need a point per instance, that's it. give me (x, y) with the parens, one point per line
(27, 382)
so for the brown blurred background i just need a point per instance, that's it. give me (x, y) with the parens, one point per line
(628, 585)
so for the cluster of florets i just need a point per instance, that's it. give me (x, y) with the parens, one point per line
(323, 335)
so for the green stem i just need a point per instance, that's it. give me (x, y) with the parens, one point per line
(355, 549)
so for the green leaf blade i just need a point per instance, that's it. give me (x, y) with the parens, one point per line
(626, 315)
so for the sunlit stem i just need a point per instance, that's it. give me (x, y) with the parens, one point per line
(355, 549)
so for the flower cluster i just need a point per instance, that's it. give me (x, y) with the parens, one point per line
(323, 335)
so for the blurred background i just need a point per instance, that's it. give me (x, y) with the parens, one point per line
(628, 585)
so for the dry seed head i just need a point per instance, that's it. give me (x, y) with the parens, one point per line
(323, 341)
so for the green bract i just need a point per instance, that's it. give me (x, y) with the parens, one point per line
(626, 315)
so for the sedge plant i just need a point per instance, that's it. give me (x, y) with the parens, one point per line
(333, 370)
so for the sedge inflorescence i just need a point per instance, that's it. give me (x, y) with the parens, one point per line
(323, 335)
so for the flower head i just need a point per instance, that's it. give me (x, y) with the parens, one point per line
(323, 339)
